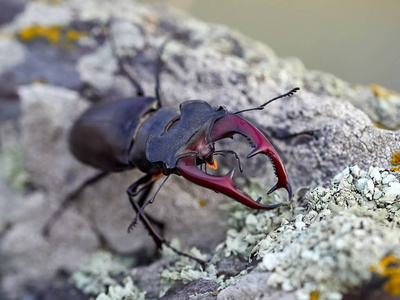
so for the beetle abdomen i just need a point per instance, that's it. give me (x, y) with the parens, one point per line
(102, 136)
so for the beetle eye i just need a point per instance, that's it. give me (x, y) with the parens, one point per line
(170, 124)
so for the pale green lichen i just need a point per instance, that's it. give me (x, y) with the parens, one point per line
(13, 169)
(185, 269)
(326, 249)
(375, 190)
(96, 276)
(127, 291)
(247, 226)
(340, 246)
(343, 231)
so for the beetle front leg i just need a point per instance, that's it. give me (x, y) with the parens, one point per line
(137, 206)
(158, 239)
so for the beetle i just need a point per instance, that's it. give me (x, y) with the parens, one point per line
(139, 132)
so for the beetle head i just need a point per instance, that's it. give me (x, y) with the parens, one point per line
(190, 138)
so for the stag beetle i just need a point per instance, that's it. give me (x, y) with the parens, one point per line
(139, 132)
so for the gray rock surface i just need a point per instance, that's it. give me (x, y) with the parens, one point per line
(318, 132)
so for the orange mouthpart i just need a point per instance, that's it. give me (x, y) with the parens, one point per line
(213, 165)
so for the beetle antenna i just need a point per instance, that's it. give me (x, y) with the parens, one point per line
(288, 94)
(151, 200)
(159, 65)
(221, 152)
(124, 69)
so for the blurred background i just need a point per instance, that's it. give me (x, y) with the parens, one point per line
(356, 40)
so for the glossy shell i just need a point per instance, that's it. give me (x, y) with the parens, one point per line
(102, 136)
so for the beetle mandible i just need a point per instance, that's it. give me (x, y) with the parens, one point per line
(139, 132)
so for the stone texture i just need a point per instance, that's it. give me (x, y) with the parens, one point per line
(319, 131)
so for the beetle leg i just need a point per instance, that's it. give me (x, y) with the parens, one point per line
(69, 199)
(147, 220)
(124, 69)
(157, 237)
(144, 203)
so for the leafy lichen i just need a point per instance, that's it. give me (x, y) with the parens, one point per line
(97, 275)
(344, 230)
(12, 162)
(332, 246)
(184, 269)
(127, 291)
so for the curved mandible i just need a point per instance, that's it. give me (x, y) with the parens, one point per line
(186, 167)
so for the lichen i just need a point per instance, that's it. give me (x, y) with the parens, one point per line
(127, 291)
(395, 162)
(97, 275)
(332, 246)
(12, 162)
(375, 190)
(344, 230)
(184, 269)
(54, 34)
(389, 268)
(380, 91)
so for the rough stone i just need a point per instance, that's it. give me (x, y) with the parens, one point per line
(327, 126)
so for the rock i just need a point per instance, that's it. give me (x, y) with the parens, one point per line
(320, 131)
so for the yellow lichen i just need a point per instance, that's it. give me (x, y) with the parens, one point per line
(74, 35)
(314, 295)
(54, 34)
(380, 91)
(395, 162)
(51, 33)
(202, 203)
(380, 126)
(389, 267)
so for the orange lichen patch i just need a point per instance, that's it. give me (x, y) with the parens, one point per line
(314, 295)
(53, 34)
(74, 35)
(380, 126)
(389, 267)
(380, 91)
(395, 162)
(202, 203)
